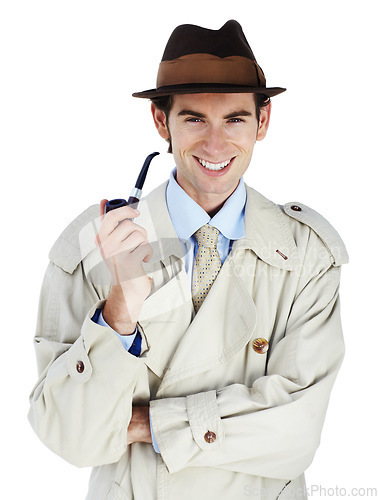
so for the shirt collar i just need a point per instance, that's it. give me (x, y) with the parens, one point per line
(190, 216)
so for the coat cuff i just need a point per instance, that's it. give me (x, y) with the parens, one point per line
(185, 427)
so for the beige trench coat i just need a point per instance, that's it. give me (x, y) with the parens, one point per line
(198, 373)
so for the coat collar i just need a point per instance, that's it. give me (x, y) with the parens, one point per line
(267, 230)
(267, 233)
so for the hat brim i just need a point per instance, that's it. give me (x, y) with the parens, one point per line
(202, 88)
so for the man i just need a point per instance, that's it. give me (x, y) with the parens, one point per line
(190, 352)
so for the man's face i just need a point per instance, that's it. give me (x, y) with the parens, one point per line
(212, 136)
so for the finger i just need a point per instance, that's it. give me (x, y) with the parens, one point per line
(117, 244)
(144, 252)
(148, 258)
(149, 254)
(121, 233)
(113, 218)
(133, 241)
(115, 229)
(133, 268)
(102, 208)
(132, 259)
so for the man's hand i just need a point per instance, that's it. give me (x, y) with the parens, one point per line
(124, 247)
(139, 427)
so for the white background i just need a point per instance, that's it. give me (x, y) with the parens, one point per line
(72, 134)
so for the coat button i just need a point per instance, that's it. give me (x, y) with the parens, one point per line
(80, 366)
(210, 437)
(260, 346)
(296, 208)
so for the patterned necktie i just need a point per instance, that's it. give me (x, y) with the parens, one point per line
(207, 264)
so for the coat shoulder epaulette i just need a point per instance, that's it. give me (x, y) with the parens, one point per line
(72, 245)
(326, 232)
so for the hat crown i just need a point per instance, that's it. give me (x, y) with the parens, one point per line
(197, 60)
(187, 39)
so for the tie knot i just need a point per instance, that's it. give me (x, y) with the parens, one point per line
(207, 236)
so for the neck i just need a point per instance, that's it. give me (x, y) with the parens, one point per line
(210, 208)
(210, 202)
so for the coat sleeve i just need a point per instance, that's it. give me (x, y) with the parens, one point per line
(273, 428)
(81, 404)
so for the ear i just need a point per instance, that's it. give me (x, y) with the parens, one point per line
(160, 121)
(264, 122)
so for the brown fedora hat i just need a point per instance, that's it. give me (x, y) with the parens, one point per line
(198, 60)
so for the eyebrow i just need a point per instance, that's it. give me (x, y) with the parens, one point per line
(234, 114)
(241, 112)
(186, 112)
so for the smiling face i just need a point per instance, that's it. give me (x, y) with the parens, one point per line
(212, 136)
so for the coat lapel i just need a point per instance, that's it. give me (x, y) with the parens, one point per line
(223, 325)
(227, 318)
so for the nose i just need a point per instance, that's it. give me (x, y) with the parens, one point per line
(215, 141)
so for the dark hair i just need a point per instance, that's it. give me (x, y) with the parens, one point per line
(165, 103)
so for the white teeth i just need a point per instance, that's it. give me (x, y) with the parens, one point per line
(213, 166)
